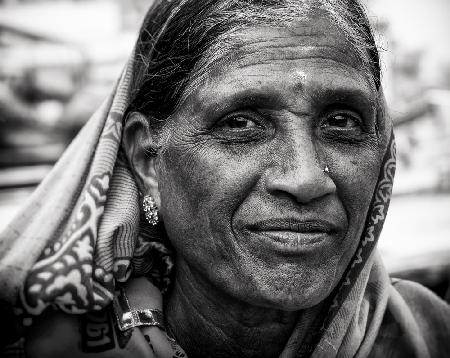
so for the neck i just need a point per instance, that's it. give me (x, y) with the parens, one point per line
(208, 322)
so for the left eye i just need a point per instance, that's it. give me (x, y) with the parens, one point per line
(342, 121)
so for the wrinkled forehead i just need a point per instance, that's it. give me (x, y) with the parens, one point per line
(313, 38)
(317, 38)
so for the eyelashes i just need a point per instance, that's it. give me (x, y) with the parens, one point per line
(242, 127)
(238, 122)
(342, 121)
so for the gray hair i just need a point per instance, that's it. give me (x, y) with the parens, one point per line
(180, 39)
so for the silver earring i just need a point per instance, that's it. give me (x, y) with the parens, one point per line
(150, 210)
(326, 170)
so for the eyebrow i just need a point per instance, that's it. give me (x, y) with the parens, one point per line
(344, 95)
(248, 98)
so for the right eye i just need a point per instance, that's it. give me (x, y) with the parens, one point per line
(242, 126)
(237, 122)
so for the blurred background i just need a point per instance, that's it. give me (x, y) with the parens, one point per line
(60, 58)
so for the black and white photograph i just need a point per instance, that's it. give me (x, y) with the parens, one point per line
(224, 178)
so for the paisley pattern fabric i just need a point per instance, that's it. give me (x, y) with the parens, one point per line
(94, 235)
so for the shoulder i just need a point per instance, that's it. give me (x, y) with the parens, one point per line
(425, 306)
(416, 321)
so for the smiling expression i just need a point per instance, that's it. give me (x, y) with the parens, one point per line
(244, 197)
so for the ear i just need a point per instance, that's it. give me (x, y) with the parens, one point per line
(140, 146)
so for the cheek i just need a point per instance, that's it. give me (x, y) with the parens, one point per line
(202, 179)
(201, 187)
(355, 174)
(357, 184)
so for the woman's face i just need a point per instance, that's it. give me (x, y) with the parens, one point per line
(244, 197)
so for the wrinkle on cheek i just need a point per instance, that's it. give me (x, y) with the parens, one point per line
(355, 181)
(219, 178)
(355, 175)
(183, 147)
(194, 170)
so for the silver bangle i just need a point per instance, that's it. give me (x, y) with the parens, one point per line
(128, 318)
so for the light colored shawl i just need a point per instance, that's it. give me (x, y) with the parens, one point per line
(82, 232)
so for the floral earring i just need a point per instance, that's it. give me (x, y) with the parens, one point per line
(150, 210)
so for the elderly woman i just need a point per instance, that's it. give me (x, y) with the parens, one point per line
(225, 201)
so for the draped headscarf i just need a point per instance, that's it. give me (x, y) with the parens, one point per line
(82, 231)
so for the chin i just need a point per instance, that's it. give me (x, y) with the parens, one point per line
(292, 303)
(293, 295)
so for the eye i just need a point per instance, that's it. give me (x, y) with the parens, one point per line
(237, 122)
(342, 121)
(242, 127)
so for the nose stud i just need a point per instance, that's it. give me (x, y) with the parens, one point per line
(326, 170)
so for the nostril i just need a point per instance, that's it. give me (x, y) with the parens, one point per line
(303, 184)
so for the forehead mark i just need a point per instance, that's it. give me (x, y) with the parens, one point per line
(299, 78)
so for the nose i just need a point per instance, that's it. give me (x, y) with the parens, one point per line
(299, 172)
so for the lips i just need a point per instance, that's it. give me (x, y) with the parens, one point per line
(295, 225)
(294, 235)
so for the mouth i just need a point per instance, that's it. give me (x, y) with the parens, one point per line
(293, 235)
